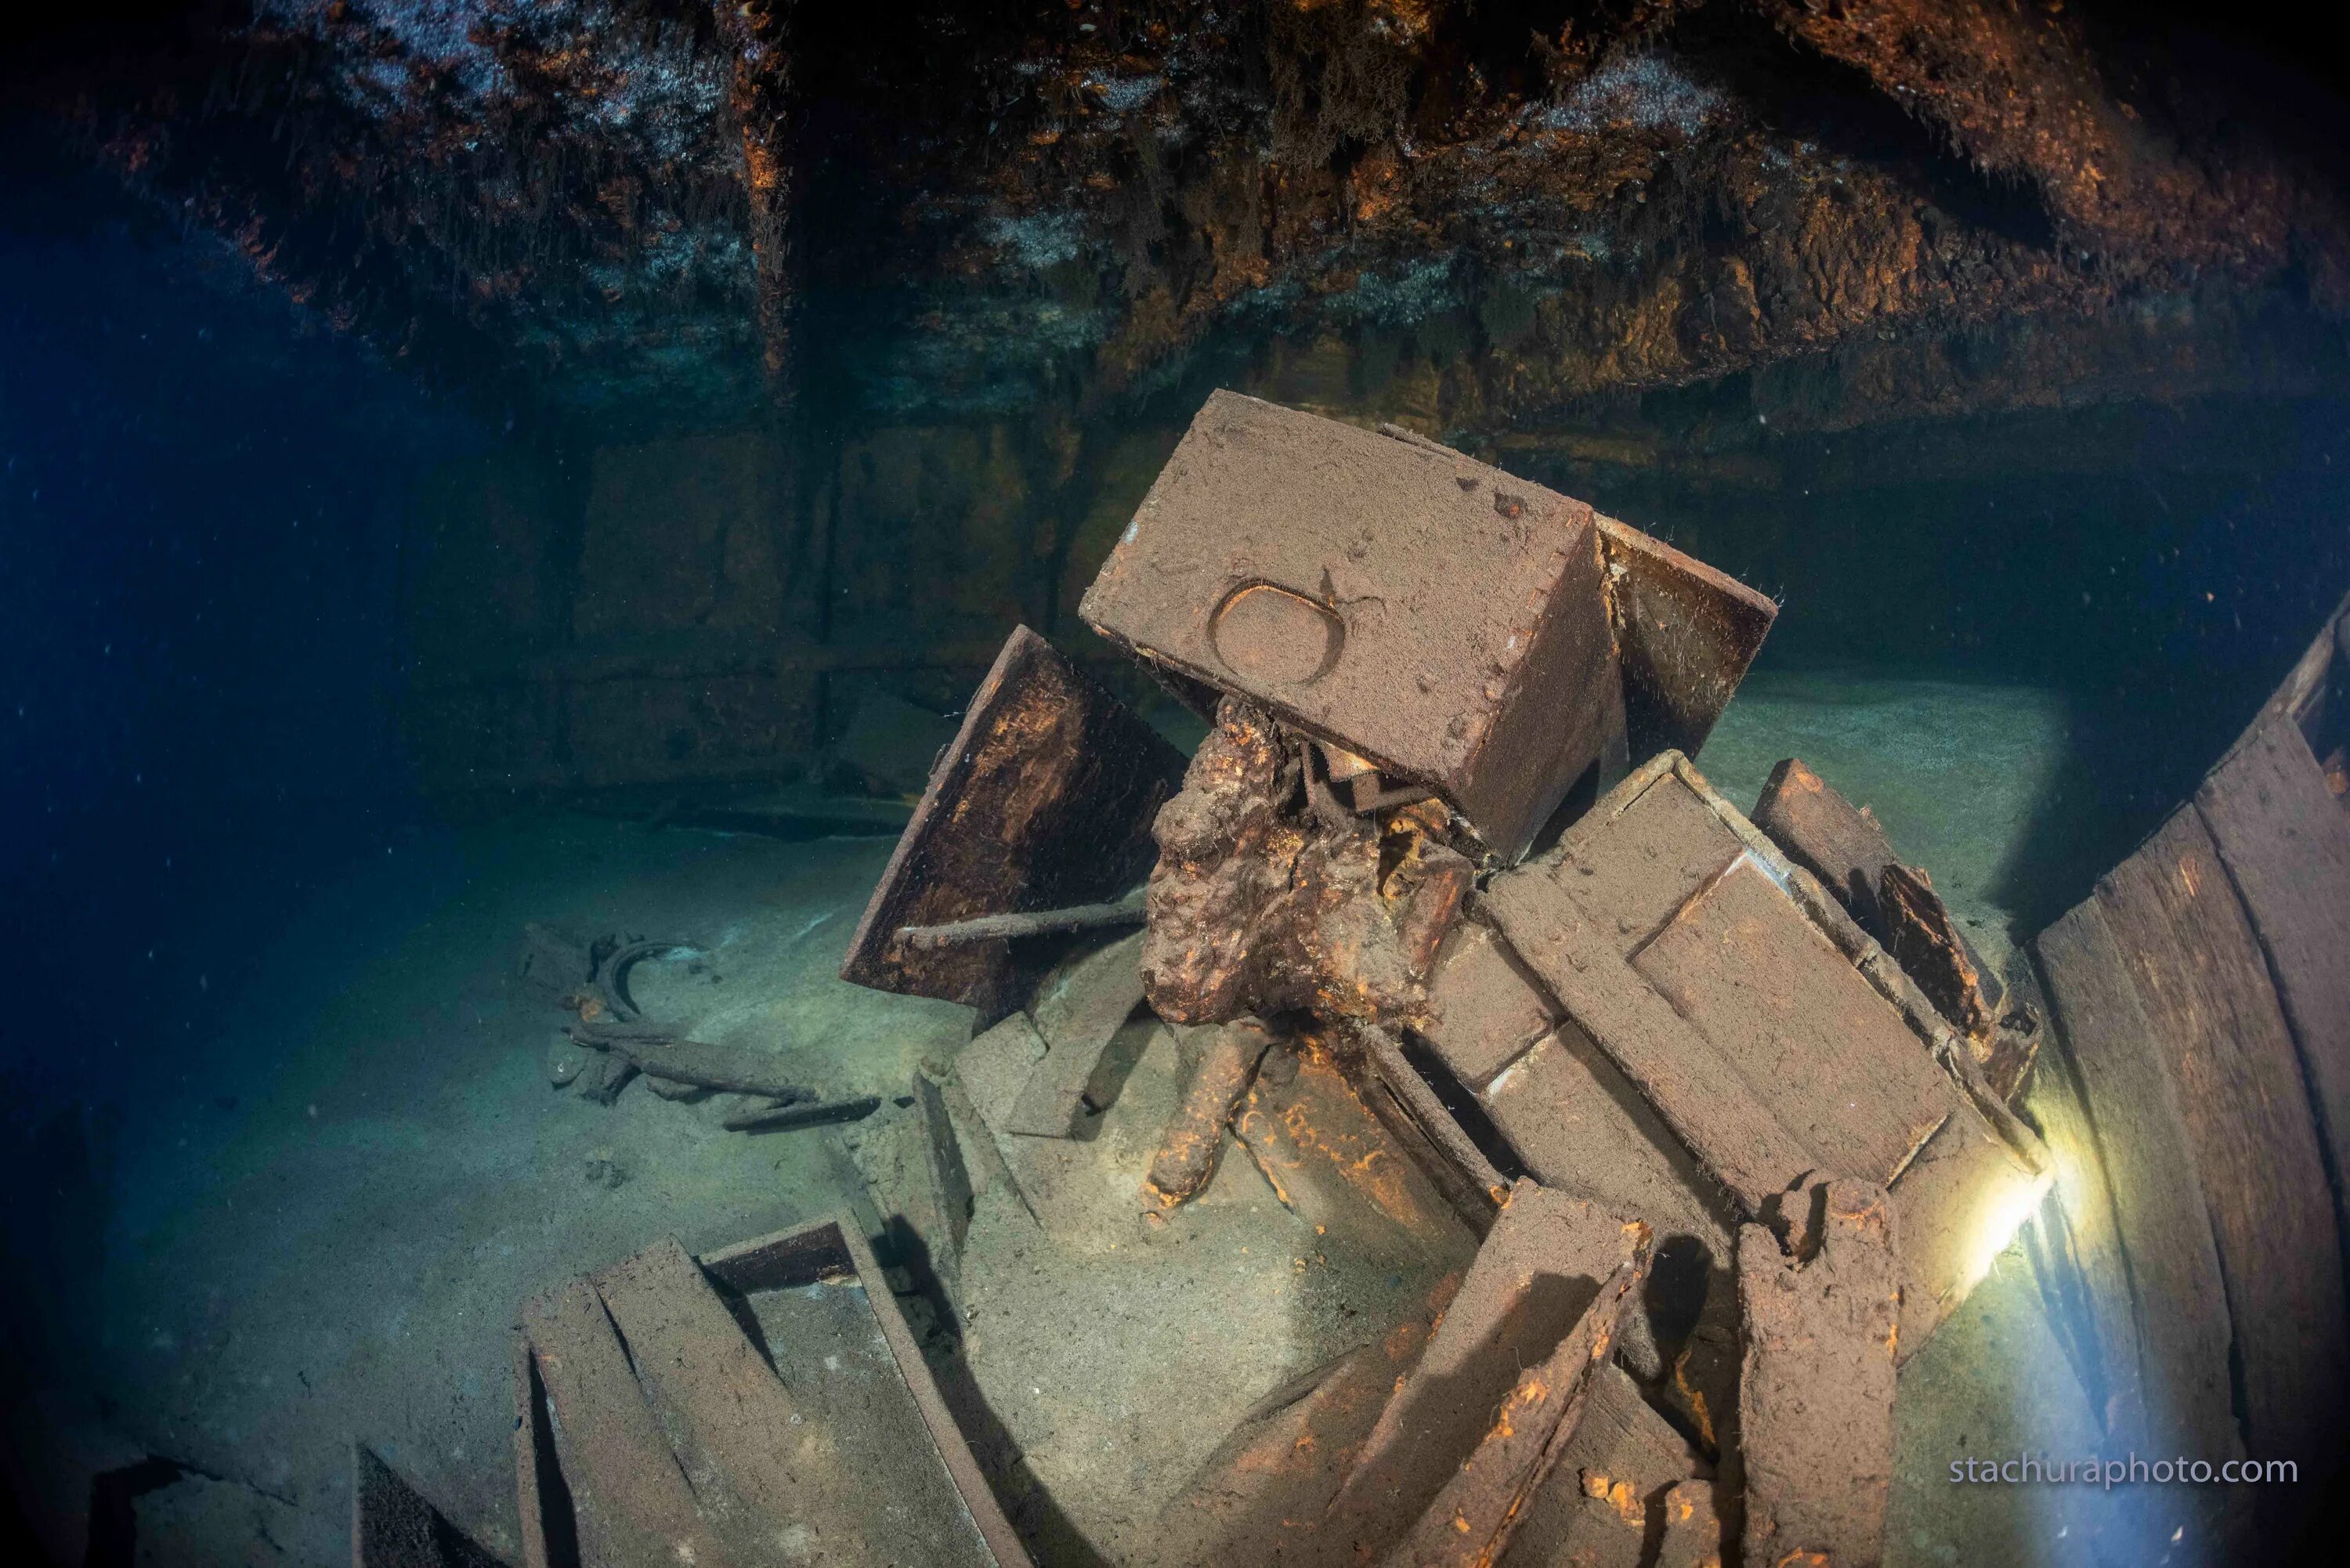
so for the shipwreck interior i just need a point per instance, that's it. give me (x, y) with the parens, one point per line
(1300, 781)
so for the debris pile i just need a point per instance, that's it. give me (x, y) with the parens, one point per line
(607, 1043)
(1454, 934)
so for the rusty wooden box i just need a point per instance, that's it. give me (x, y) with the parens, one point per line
(1436, 617)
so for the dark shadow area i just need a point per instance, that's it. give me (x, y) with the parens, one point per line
(1050, 1536)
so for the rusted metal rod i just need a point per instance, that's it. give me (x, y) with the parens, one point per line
(1126, 911)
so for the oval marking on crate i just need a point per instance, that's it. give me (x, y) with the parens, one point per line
(1272, 635)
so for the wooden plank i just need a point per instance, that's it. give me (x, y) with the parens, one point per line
(1079, 1010)
(1631, 865)
(1549, 1258)
(1331, 1160)
(2082, 1233)
(1838, 842)
(1823, 1051)
(1815, 1402)
(2286, 846)
(1705, 1100)
(1483, 1009)
(757, 1463)
(1616, 1469)
(2205, 987)
(1958, 1203)
(2176, 1304)
(1473, 1518)
(1479, 1505)
(1262, 1495)
(1579, 1125)
(631, 1503)
(1043, 801)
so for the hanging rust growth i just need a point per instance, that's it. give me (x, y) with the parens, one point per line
(760, 100)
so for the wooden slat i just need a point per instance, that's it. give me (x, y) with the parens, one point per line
(2083, 1234)
(1616, 1467)
(632, 1503)
(2286, 844)
(1473, 1517)
(1633, 866)
(1578, 1126)
(754, 1467)
(2176, 1304)
(1815, 1405)
(1483, 1010)
(1542, 1266)
(2205, 987)
(1705, 1100)
(1077, 1011)
(1833, 1063)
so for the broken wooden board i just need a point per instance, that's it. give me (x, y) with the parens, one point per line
(394, 1526)
(1466, 1428)
(2286, 845)
(1685, 634)
(1441, 619)
(1261, 1496)
(1077, 1009)
(1483, 1010)
(1841, 844)
(1043, 801)
(1925, 940)
(1410, 1109)
(1473, 1518)
(653, 1429)
(2201, 977)
(1610, 1477)
(2168, 1334)
(1815, 1399)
